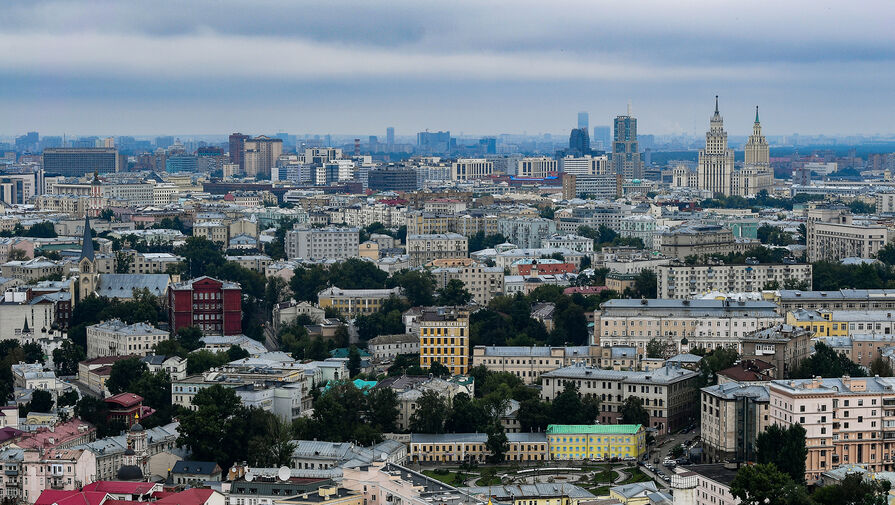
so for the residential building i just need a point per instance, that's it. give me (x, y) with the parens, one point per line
(355, 302)
(625, 157)
(833, 235)
(115, 337)
(423, 249)
(332, 495)
(733, 414)
(536, 168)
(482, 282)
(286, 313)
(174, 366)
(642, 226)
(260, 155)
(716, 160)
(707, 484)
(329, 243)
(387, 347)
(465, 169)
(600, 187)
(781, 345)
(460, 447)
(212, 305)
(682, 324)
(61, 469)
(669, 393)
(844, 299)
(539, 493)
(444, 337)
(528, 232)
(215, 231)
(688, 281)
(699, 241)
(596, 441)
(529, 363)
(194, 473)
(570, 241)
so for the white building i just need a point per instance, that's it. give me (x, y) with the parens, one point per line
(322, 243)
(117, 338)
(570, 241)
(471, 168)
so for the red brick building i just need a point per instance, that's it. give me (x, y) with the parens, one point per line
(212, 305)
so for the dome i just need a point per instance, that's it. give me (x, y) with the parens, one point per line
(130, 473)
(129, 452)
(137, 427)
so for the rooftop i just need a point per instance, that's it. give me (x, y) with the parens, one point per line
(595, 429)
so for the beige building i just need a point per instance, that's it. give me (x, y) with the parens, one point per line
(483, 283)
(215, 231)
(529, 363)
(733, 414)
(681, 324)
(444, 337)
(460, 447)
(423, 223)
(535, 168)
(688, 281)
(388, 347)
(254, 262)
(425, 248)
(33, 269)
(322, 243)
(716, 160)
(832, 236)
(260, 155)
(116, 338)
(669, 394)
(471, 168)
(698, 240)
(781, 345)
(844, 299)
(355, 302)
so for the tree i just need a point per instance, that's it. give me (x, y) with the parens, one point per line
(69, 398)
(33, 353)
(439, 370)
(497, 444)
(854, 489)
(200, 255)
(234, 352)
(655, 348)
(382, 409)
(170, 347)
(764, 484)
(155, 388)
(430, 415)
(213, 431)
(123, 262)
(96, 412)
(466, 415)
(567, 407)
(41, 401)
(306, 282)
(202, 361)
(418, 286)
(10, 354)
(353, 361)
(454, 293)
(190, 337)
(633, 412)
(881, 367)
(124, 372)
(714, 361)
(272, 445)
(646, 285)
(785, 448)
(67, 356)
(826, 362)
(16, 254)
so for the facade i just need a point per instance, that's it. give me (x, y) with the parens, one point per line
(355, 302)
(596, 441)
(570, 241)
(707, 484)
(461, 447)
(388, 347)
(116, 338)
(669, 394)
(716, 160)
(529, 363)
(423, 249)
(844, 299)
(483, 283)
(832, 236)
(781, 345)
(585, 165)
(444, 337)
(393, 179)
(78, 162)
(536, 168)
(212, 305)
(688, 281)
(260, 155)
(465, 169)
(698, 240)
(642, 226)
(526, 232)
(625, 149)
(322, 243)
(682, 324)
(733, 414)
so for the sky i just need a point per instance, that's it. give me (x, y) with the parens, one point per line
(99, 67)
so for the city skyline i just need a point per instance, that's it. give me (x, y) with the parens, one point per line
(210, 68)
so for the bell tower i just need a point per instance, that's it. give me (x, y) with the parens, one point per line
(87, 276)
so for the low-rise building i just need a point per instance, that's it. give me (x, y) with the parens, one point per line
(115, 337)
(460, 447)
(781, 345)
(387, 347)
(689, 281)
(482, 282)
(596, 441)
(529, 363)
(355, 302)
(698, 240)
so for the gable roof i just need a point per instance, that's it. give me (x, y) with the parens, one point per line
(194, 496)
(60, 497)
(119, 487)
(196, 467)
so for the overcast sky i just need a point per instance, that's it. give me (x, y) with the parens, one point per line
(473, 67)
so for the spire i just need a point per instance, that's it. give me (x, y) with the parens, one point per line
(87, 243)
(716, 105)
(756, 113)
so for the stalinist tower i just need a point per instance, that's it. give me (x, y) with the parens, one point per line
(756, 174)
(757, 152)
(716, 162)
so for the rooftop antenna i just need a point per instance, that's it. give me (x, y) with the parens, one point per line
(629, 107)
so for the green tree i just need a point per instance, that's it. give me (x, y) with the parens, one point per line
(481, 241)
(10, 354)
(355, 273)
(123, 262)
(881, 367)
(306, 282)
(439, 370)
(418, 286)
(96, 412)
(202, 361)
(454, 293)
(646, 285)
(655, 348)
(633, 412)
(200, 255)
(353, 360)
(33, 353)
(190, 337)
(826, 362)
(497, 443)
(466, 415)
(854, 489)
(16, 254)
(67, 356)
(41, 401)
(430, 415)
(155, 388)
(785, 448)
(124, 372)
(272, 445)
(69, 398)
(214, 430)
(764, 484)
(382, 407)
(170, 347)
(714, 361)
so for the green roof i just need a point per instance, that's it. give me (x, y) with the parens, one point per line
(595, 429)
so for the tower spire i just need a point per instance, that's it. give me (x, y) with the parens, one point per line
(716, 104)
(87, 241)
(756, 113)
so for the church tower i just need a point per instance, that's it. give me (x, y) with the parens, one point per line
(716, 162)
(756, 150)
(87, 276)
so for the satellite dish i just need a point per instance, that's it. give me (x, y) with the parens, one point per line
(284, 473)
(249, 476)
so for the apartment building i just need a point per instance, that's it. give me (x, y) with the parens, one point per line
(32, 269)
(152, 263)
(596, 441)
(425, 248)
(483, 283)
(570, 241)
(682, 324)
(215, 231)
(388, 347)
(733, 414)
(425, 223)
(465, 169)
(355, 302)
(847, 420)
(844, 299)
(529, 363)
(568, 221)
(463, 447)
(669, 394)
(781, 345)
(687, 281)
(833, 235)
(527, 232)
(254, 262)
(322, 243)
(444, 337)
(117, 338)
(698, 240)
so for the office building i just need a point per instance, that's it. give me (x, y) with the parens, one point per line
(390, 136)
(689, 281)
(579, 142)
(583, 120)
(444, 337)
(434, 142)
(260, 155)
(465, 169)
(329, 243)
(733, 414)
(833, 235)
(598, 187)
(78, 162)
(536, 168)
(625, 150)
(213, 306)
(699, 241)
(601, 138)
(393, 179)
(237, 146)
(584, 165)
(181, 163)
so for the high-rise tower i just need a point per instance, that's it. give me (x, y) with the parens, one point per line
(716, 161)
(625, 151)
(757, 151)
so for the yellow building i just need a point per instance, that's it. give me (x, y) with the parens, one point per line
(355, 302)
(596, 441)
(324, 496)
(818, 322)
(444, 337)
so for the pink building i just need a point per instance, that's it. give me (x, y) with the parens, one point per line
(62, 436)
(57, 469)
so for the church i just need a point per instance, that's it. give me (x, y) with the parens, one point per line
(716, 171)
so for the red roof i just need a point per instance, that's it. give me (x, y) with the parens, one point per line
(9, 433)
(194, 496)
(125, 502)
(125, 400)
(51, 496)
(120, 487)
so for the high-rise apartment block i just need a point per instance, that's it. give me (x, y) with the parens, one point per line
(625, 150)
(237, 146)
(261, 155)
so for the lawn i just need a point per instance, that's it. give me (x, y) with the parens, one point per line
(599, 491)
(445, 476)
(636, 475)
(492, 480)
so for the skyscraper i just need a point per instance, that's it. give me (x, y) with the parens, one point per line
(756, 149)
(579, 142)
(261, 155)
(390, 136)
(716, 161)
(601, 139)
(625, 152)
(237, 145)
(583, 120)
(756, 174)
